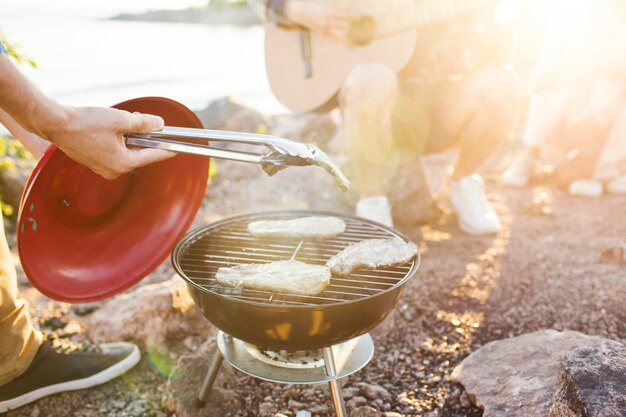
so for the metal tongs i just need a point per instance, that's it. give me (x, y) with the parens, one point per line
(279, 154)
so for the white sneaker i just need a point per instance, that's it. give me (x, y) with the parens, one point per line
(375, 208)
(474, 214)
(520, 172)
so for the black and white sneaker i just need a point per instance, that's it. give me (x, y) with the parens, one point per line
(61, 366)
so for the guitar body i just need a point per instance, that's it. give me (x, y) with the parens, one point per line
(330, 62)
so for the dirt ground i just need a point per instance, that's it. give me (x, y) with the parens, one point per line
(544, 270)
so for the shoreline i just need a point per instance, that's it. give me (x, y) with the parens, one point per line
(242, 16)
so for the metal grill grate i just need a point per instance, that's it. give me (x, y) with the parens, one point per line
(228, 243)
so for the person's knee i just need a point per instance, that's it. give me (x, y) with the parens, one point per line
(369, 89)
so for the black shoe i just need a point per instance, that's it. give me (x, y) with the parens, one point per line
(61, 366)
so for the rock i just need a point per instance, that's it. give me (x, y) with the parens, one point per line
(228, 114)
(86, 308)
(516, 377)
(293, 404)
(593, 382)
(13, 178)
(303, 413)
(366, 412)
(350, 392)
(356, 402)
(615, 254)
(410, 195)
(381, 331)
(266, 409)
(374, 392)
(184, 382)
(148, 315)
(317, 128)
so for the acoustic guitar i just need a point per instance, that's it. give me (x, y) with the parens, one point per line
(306, 69)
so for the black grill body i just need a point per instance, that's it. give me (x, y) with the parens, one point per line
(349, 307)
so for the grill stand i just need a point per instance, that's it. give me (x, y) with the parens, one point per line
(352, 356)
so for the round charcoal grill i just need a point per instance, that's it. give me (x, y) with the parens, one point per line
(349, 307)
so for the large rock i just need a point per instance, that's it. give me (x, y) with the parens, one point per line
(184, 383)
(316, 128)
(593, 382)
(13, 178)
(148, 315)
(410, 196)
(227, 113)
(516, 377)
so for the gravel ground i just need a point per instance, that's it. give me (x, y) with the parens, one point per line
(544, 270)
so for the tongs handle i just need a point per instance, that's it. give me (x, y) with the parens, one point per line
(189, 148)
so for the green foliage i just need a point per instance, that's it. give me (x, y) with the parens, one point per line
(10, 150)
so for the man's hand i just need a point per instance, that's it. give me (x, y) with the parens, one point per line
(327, 19)
(94, 137)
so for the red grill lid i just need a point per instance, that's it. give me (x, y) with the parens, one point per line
(83, 238)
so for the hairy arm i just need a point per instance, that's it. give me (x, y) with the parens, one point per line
(92, 136)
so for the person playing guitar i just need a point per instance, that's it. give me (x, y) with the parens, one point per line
(455, 90)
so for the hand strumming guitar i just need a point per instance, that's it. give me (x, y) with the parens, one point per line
(327, 19)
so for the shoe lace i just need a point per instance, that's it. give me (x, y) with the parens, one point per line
(67, 346)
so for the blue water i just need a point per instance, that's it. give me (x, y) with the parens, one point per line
(85, 59)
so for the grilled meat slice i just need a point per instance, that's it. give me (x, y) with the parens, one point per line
(293, 277)
(372, 254)
(313, 227)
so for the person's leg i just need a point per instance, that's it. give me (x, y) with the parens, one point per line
(477, 113)
(546, 111)
(368, 98)
(19, 342)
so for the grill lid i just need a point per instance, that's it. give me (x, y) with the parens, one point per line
(228, 243)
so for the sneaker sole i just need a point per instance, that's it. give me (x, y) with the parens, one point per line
(474, 232)
(101, 377)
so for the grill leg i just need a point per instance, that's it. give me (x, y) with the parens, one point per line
(209, 379)
(335, 388)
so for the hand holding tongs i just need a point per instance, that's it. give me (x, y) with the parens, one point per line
(279, 154)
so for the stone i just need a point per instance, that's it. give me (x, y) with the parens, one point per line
(381, 331)
(316, 128)
(374, 392)
(303, 413)
(350, 392)
(13, 178)
(149, 315)
(267, 409)
(410, 196)
(184, 381)
(366, 412)
(356, 402)
(592, 382)
(516, 377)
(227, 113)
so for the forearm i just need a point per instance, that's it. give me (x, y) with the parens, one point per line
(35, 145)
(27, 105)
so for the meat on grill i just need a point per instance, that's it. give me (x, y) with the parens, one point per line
(312, 227)
(372, 254)
(290, 276)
